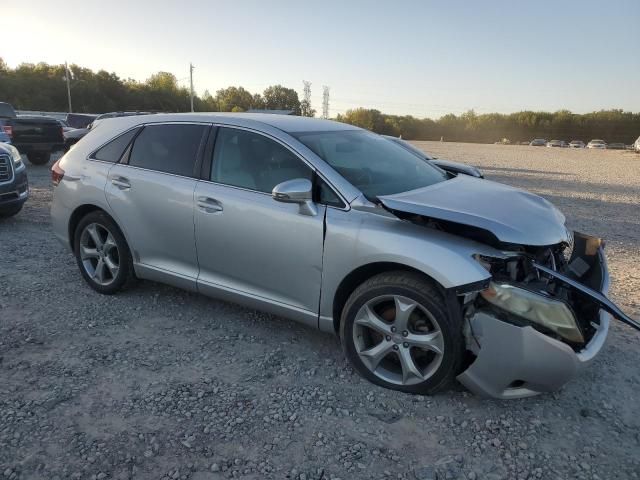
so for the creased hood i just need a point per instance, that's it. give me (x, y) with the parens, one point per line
(510, 214)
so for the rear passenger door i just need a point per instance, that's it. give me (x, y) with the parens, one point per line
(151, 194)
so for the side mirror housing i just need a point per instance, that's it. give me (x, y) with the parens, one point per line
(298, 190)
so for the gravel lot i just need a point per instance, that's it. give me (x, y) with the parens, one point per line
(159, 383)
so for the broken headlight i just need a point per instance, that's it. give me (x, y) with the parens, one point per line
(547, 312)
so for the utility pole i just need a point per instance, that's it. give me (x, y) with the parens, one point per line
(191, 67)
(66, 76)
(325, 102)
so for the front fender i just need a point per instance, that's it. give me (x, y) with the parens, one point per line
(357, 238)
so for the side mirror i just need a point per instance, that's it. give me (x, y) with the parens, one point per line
(298, 190)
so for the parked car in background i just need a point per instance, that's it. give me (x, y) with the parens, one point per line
(556, 143)
(65, 126)
(36, 137)
(616, 146)
(538, 142)
(72, 137)
(451, 167)
(80, 120)
(425, 277)
(597, 144)
(14, 184)
(103, 116)
(576, 144)
(636, 145)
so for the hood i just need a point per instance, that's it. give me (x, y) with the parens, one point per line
(510, 214)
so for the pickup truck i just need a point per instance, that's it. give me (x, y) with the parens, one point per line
(36, 137)
(14, 185)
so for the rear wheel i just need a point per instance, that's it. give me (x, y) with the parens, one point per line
(39, 158)
(102, 253)
(396, 332)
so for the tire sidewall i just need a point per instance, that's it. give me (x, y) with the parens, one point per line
(451, 333)
(125, 270)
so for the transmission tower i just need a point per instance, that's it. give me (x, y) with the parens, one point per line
(306, 97)
(305, 105)
(325, 102)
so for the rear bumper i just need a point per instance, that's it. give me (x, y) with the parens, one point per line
(519, 361)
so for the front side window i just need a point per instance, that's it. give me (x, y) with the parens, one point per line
(112, 151)
(372, 163)
(253, 161)
(171, 148)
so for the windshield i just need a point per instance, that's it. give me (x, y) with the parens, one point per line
(408, 146)
(372, 163)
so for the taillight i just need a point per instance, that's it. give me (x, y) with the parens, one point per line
(57, 173)
(8, 129)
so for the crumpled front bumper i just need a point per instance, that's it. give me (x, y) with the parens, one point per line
(519, 361)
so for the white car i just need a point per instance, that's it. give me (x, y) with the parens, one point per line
(598, 144)
(636, 145)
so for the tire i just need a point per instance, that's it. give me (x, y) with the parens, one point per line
(39, 158)
(99, 245)
(6, 212)
(429, 329)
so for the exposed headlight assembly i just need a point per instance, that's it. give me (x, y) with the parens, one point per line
(547, 312)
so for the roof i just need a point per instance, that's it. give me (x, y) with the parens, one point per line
(286, 123)
(275, 112)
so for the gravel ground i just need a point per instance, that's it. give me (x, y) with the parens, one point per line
(162, 384)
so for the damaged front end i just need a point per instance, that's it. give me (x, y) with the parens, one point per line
(544, 314)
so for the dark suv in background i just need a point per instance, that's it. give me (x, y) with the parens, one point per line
(36, 137)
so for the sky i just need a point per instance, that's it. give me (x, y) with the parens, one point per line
(421, 58)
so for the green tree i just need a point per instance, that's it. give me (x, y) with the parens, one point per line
(234, 97)
(278, 97)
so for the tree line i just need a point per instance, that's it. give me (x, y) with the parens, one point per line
(42, 87)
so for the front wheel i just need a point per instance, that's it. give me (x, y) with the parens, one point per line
(102, 253)
(396, 332)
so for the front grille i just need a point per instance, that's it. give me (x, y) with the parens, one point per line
(6, 171)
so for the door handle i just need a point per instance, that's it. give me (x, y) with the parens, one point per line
(209, 205)
(121, 182)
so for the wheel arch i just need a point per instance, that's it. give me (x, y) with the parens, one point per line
(78, 214)
(361, 274)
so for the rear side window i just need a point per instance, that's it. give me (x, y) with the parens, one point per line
(112, 151)
(168, 148)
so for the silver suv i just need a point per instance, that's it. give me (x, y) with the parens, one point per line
(424, 275)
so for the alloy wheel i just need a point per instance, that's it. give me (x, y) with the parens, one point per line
(99, 254)
(398, 340)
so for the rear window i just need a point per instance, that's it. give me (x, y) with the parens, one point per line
(168, 148)
(112, 151)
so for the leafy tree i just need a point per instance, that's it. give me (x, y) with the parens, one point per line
(234, 97)
(42, 87)
(278, 97)
(306, 110)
